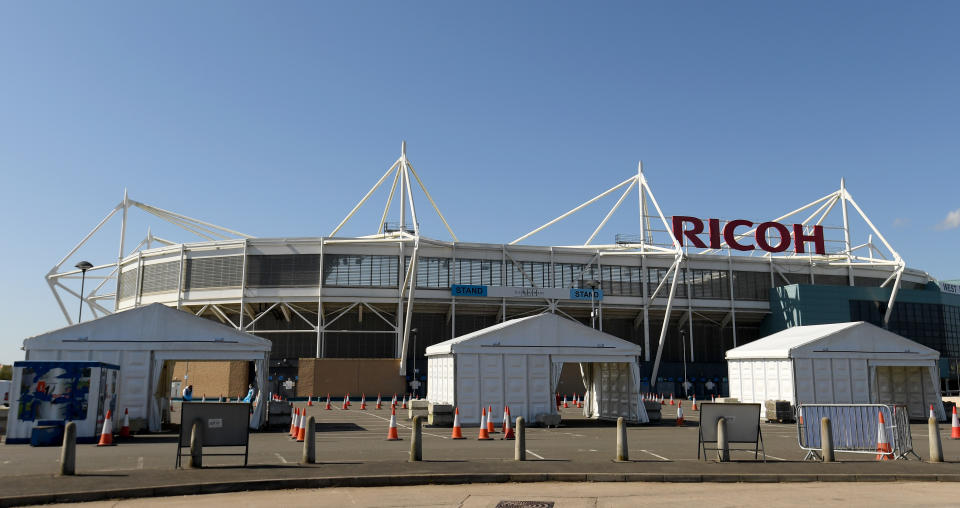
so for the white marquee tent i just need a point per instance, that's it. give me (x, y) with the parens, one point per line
(841, 363)
(140, 341)
(518, 363)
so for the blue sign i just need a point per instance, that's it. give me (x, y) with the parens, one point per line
(586, 294)
(467, 290)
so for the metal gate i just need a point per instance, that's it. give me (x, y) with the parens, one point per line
(855, 428)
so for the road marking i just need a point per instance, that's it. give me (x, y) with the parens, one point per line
(406, 427)
(139, 462)
(281, 458)
(661, 457)
(535, 455)
(767, 455)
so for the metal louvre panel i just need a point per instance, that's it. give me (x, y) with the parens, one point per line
(128, 283)
(751, 285)
(214, 272)
(160, 277)
(285, 270)
(360, 270)
(481, 272)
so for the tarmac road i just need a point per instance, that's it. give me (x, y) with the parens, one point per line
(354, 437)
(569, 495)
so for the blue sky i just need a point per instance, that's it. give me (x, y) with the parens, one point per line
(275, 118)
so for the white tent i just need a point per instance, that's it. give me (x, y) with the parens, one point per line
(841, 363)
(140, 341)
(518, 363)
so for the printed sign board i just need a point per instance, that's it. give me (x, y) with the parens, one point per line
(743, 424)
(221, 424)
(524, 292)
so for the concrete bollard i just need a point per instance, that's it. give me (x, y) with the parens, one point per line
(826, 440)
(936, 448)
(68, 451)
(196, 445)
(723, 446)
(310, 442)
(623, 453)
(416, 440)
(520, 447)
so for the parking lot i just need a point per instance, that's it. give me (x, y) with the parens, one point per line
(358, 437)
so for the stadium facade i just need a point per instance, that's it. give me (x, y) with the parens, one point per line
(686, 289)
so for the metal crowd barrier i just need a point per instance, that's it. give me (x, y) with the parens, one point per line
(855, 428)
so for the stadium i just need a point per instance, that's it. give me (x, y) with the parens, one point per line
(685, 289)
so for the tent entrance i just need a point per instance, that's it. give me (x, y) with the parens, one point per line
(612, 390)
(907, 385)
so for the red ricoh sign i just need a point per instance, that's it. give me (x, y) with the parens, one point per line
(688, 231)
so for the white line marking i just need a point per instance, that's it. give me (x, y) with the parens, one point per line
(405, 426)
(281, 458)
(768, 455)
(535, 455)
(661, 457)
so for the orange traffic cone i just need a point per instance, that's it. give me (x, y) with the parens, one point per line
(363, 401)
(106, 435)
(712, 398)
(507, 429)
(694, 403)
(680, 413)
(378, 400)
(955, 425)
(394, 401)
(392, 431)
(310, 400)
(204, 398)
(931, 412)
(457, 431)
(328, 403)
(346, 402)
(293, 421)
(884, 451)
(404, 402)
(484, 433)
(221, 398)
(503, 424)
(302, 428)
(671, 399)
(491, 429)
(125, 430)
(565, 405)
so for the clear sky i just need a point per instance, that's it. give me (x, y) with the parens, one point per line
(273, 118)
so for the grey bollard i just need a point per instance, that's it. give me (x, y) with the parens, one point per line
(416, 440)
(196, 445)
(723, 446)
(826, 440)
(623, 454)
(520, 447)
(68, 451)
(936, 448)
(310, 442)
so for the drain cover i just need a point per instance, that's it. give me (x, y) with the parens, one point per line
(525, 504)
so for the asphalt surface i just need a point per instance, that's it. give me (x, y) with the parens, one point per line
(351, 445)
(575, 495)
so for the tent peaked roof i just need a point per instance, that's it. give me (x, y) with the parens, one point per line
(545, 333)
(152, 323)
(832, 341)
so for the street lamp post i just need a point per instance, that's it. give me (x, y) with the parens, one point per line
(593, 285)
(683, 340)
(83, 266)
